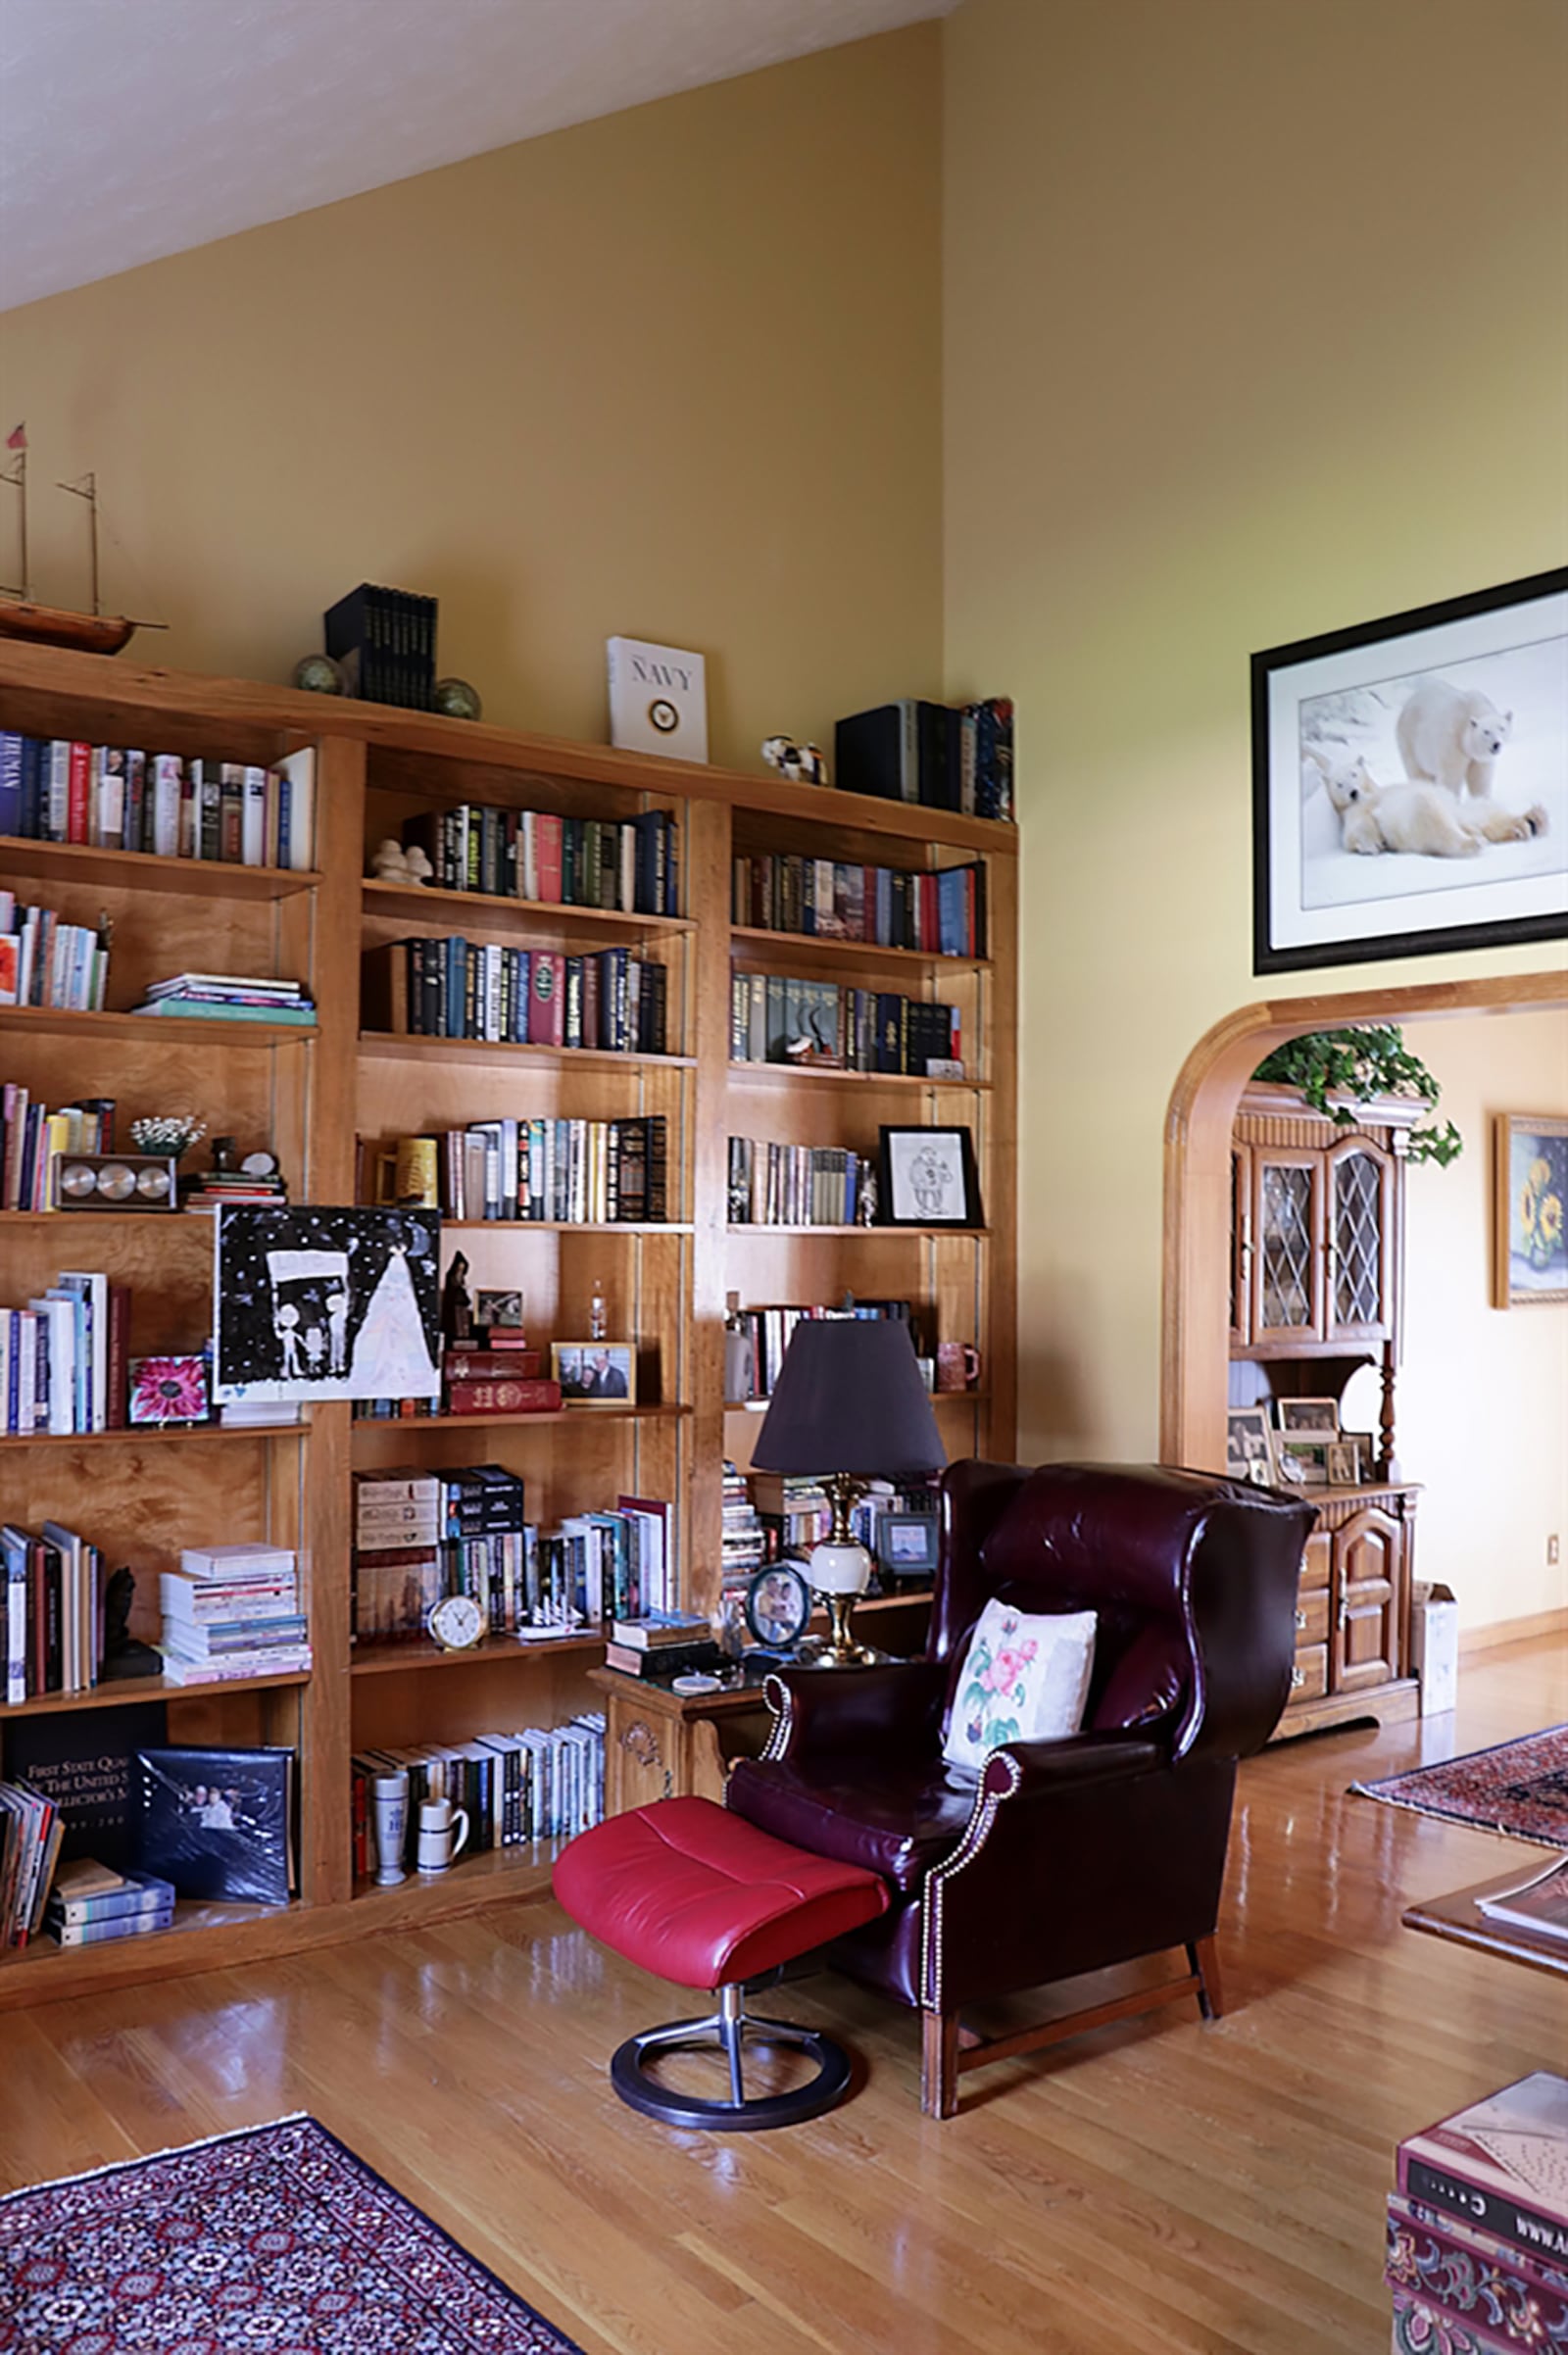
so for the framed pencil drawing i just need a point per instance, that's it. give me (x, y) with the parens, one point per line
(1410, 782)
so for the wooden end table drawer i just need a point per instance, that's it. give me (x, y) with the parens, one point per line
(1312, 1618)
(1310, 1678)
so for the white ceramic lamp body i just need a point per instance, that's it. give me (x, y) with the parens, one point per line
(840, 1569)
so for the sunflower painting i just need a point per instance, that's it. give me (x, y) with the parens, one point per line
(1531, 1195)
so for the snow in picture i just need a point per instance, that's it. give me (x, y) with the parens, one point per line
(326, 1304)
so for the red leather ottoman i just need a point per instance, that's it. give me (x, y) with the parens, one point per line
(699, 1897)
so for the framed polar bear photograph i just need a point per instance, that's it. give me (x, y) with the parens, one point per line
(1410, 782)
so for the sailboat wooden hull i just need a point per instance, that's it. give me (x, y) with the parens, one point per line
(53, 625)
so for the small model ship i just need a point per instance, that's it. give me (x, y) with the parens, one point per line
(23, 616)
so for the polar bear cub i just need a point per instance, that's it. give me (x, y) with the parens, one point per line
(1451, 736)
(1415, 816)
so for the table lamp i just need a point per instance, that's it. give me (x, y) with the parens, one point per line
(849, 1407)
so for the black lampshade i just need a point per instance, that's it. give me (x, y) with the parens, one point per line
(850, 1398)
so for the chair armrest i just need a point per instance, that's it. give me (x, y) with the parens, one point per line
(1029, 1769)
(823, 1712)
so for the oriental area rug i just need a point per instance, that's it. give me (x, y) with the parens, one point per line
(1520, 1787)
(275, 2239)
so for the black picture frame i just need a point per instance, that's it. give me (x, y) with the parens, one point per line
(907, 1544)
(1355, 721)
(949, 1197)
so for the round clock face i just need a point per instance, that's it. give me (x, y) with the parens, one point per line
(457, 1622)
(778, 1604)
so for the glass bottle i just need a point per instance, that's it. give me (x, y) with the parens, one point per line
(598, 1316)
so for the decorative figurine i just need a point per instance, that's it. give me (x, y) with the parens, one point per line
(123, 1656)
(318, 674)
(391, 863)
(456, 699)
(803, 763)
(457, 1310)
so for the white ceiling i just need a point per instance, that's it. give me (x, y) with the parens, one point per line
(132, 129)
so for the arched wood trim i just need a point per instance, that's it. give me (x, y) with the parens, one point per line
(1194, 1274)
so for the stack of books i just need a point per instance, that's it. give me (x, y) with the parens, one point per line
(794, 1510)
(628, 865)
(62, 1360)
(779, 1018)
(230, 998)
(30, 1833)
(54, 1608)
(109, 797)
(233, 1611)
(660, 1644)
(538, 1783)
(744, 1543)
(90, 1903)
(939, 910)
(1478, 2228)
(942, 758)
(213, 1189)
(46, 961)
(458, 989)
(33, 1139)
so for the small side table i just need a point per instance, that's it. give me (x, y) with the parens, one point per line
(660, 1745)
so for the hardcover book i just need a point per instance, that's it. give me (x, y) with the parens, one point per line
(84, 1765)
(658, 699)
(1501, 2164)
(217, 1823)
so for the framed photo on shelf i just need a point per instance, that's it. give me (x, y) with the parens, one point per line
(1345, 1462)
(907, 1544)
(1248, 1453)
(595, 1373)
(1410, 782)
(1301, 1462)
(1312, 1418)
(499, 1308)
(926, 1178)
(168, 1390)
(1530, 1196)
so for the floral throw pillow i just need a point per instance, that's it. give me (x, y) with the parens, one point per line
(1025, 1678)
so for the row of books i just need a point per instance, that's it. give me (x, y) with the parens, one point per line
(628, 865)
(46, 961)
(1477, 2232)
(33, 1139)
(743, 1542)
(777, 1018)
(796, 1513)
(939, 910)
(770, 1330)
(113, 798)
(54, 1602)
(233, 1611)
(30, 1833)
(572, 1172)
(459, 989)
(385, 641)
(543, 1782)
(940, 757)
(63, 1367)
(774, 1185)
(230, 998)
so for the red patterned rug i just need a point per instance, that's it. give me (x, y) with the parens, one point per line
(1520, 1787)
(276, 2239)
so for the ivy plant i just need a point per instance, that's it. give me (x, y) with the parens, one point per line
(1363, 1062)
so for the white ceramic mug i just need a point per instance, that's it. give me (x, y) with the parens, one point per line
(442, 1831)
(391, 1794)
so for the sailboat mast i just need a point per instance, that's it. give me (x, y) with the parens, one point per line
(92, 537)
(21, 493)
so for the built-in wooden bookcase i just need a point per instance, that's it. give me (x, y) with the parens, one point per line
(142, 1496)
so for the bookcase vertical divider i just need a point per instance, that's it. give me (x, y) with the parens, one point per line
(998, 995)
(707, 853)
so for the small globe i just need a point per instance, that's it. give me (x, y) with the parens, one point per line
(318, 674)
(456, 699)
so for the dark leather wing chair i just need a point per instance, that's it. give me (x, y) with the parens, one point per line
(1055, 1857)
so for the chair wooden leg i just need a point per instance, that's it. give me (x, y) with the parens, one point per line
(1202, 1957)
(939, 2064)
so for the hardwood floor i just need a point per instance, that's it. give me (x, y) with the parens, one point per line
(1200, 2190)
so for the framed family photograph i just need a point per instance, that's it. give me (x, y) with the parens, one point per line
(1317, 1418)
(1530, 1194)
(1248, 1449)
(926, 1178)
(1344, 1463)
(1410, 782)
(595, 1373)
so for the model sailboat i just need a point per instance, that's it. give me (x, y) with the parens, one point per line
(20, 615)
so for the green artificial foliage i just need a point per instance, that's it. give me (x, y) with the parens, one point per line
(1364, 1063)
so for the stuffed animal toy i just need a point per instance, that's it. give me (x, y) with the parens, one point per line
(803, 763)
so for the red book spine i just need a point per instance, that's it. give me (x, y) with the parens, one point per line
(78, 793)
(118, 1373)
(493, 1365)
(547, 840)
(504, 1398)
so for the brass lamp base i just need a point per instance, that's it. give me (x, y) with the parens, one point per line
(841, 1650)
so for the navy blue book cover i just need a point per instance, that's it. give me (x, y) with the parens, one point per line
(82, 1761)
(217, 1823)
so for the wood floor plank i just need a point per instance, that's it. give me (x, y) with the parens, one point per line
(1204, 2189)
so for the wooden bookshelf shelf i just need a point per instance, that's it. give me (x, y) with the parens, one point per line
(126, 1690)
(757, 945)
(411, 1046)
(407, 1659)
(155, 1489)
(71, 1219)
(181, 1030)
(488, 911)
(122, 870)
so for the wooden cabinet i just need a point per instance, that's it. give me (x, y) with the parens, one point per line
(1352, 1610)
(666, 1746)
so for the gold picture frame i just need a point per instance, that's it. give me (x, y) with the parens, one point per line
(1528, 1202)
(595, 1373)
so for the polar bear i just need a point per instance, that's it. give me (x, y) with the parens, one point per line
(1451, 736)
(1415, 816)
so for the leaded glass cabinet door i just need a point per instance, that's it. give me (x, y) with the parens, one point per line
(1241, 1283)
(1287, 1214)
(1360, 1254)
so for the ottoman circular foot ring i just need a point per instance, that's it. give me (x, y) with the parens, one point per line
(630, 2075)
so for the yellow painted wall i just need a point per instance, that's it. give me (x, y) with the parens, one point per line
(1257, 323)
(675, 373)
(1483, 1397)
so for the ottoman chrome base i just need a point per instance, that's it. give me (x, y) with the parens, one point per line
(725, 2030)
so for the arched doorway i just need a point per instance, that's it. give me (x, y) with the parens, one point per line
(1194, 1315)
